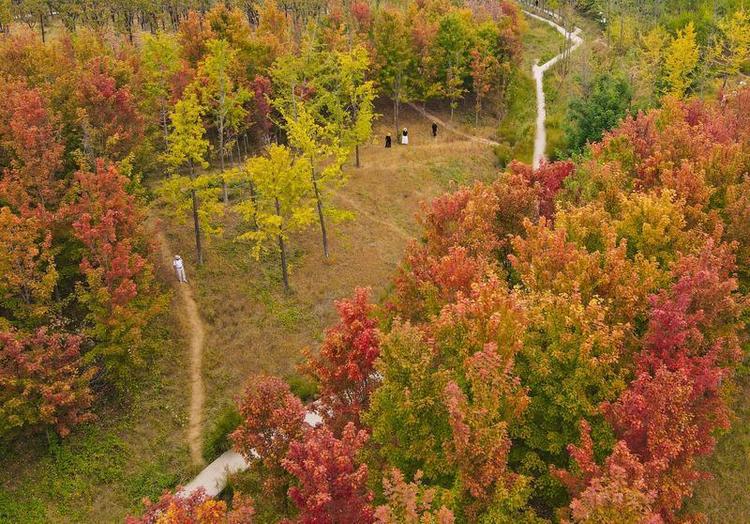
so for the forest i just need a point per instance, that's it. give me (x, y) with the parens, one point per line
(477, 339)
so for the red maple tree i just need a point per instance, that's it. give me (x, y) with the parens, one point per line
(331, 486)
(345, 367)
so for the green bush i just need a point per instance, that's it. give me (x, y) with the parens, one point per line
(303, 386)
(503, 154)
(216, 440)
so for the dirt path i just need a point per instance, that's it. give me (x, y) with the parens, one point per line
(195, 333)
(401, 233)
(450, 127)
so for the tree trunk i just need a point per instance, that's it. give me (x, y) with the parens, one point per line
(165, 127)
(224, 189)
(395, 115)
(356, 154)
(196, 220)
(282, 253)
(239, 151)
(41, 25)
(129, 22)
(321, 216)
(244, 144)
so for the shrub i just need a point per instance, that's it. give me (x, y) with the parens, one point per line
(503, 154)
(216, 440)
(303, 387)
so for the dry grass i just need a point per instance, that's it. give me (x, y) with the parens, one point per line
(726, 497)
(253, 327)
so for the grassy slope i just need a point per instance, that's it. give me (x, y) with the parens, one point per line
(726, 497)
(253, 327)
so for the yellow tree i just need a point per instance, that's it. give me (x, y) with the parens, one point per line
(321, 147)
(187, 148)
(732, 48)
(282, 202)
(651, 59)
(681, 60)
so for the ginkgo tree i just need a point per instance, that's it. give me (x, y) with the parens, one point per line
(282, 202)
(188, 147)
(681, 59)
(324, 153)
(356, 95)
(392, 44)
(222, 96)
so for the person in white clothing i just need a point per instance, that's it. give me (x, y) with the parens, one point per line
(405, 137)
(179, 268)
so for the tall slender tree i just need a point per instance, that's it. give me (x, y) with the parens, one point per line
(187, 147)
(282, 203)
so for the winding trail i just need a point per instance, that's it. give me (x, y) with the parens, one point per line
(213, 478)
(196, 335)
(540, 139)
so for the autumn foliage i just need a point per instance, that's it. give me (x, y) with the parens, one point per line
(76, 284)
(330, 484)
(561, 341)
(198, 508)
(345, 367)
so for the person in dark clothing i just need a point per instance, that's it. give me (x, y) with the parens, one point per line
(434, 130)
(388, 140)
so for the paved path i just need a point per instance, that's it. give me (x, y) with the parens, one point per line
(213, 479)
(540, 139)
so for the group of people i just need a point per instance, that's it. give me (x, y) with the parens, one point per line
(405, 136)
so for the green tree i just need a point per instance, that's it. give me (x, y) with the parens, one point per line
(394, 58)
(453, 43)
(598, 110)
(222, 95)
(160, 56)
(282, 203)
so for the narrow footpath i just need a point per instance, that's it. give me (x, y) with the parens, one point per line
(196, 334)
(213, 478)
